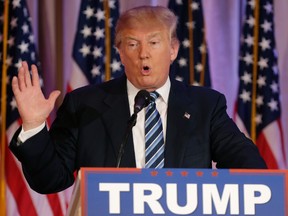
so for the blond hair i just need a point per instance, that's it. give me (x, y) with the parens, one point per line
(144, 15)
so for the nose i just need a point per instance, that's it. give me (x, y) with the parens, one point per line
(143, 52)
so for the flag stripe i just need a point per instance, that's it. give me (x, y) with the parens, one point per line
(17, 187)
(55, 202)
(266, 151)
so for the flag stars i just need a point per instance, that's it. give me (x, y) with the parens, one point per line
(202, 48)
(33, 56)
(266, 26)
(97, 52)
(264, 44)
(273, 105)
(195, 6)
(252, 3)
(23, 47)
(25, 28)
(99, 33)
(18, 65)
(89, 12)
(258, 119)
(95, 71)
(245, 96)
(263, 63)
(259, 100)
(13, 22)
(100, 15)
(274, 87)
(9, 60)
(86, 31)
(261, 81)
(111, 4)
(186, 43)
(250, 21)
(190, 25)
(11, 41)
(248, 59)
(249, 40)
(179, 78)
(246, 78)
(199, 67)
(115, 66)
(275, 69)
(25, 12)
(182, 62)
(31, 38)
(269, 8)
(85, 50)
(16, 3)
(195, 83)
(110, 22)
(13, 104)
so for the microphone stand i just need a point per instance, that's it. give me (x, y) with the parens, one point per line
(130, 125)
(142, 99)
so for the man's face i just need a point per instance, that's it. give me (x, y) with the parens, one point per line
(146, 53)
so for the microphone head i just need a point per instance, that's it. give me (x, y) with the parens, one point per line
(142, 99)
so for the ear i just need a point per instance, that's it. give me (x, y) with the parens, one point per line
(174, 49)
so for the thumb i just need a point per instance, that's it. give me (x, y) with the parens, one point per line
(53, 97)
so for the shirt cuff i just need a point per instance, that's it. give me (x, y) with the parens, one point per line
(24, 135)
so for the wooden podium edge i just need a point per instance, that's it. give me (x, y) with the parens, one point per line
(74, 208)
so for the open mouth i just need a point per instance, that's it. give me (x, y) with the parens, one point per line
(145, 69)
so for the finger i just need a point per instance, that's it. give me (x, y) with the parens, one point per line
(53, 97)
(27, 78)
(25, 65)
(15, 86)
(21, 79)
(35, 76)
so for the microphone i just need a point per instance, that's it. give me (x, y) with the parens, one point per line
(141, 100)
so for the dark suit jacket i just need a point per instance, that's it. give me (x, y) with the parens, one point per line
(91, 124)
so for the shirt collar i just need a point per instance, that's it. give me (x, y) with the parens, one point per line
(163, 91)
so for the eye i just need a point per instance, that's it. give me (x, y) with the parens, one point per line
(154, 43)
(132, 44)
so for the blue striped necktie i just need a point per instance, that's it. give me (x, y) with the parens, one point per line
(154, 140)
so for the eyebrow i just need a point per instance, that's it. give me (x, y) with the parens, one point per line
(152, 35)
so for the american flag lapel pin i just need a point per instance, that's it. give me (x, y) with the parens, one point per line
(186, 115)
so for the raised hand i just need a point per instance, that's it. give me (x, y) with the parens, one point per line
(33, 107)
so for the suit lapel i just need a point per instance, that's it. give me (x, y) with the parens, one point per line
(116, 119)
(178, 124)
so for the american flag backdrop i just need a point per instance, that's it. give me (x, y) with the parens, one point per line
(94, 55)
(258, 106)
(16, 196)
(191, 65)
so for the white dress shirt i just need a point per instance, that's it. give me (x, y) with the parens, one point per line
(139, 129)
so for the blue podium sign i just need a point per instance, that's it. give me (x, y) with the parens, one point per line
(128, 191)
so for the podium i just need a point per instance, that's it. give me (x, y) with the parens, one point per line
(131, 191)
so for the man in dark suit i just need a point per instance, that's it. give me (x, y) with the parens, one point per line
(92, 120)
